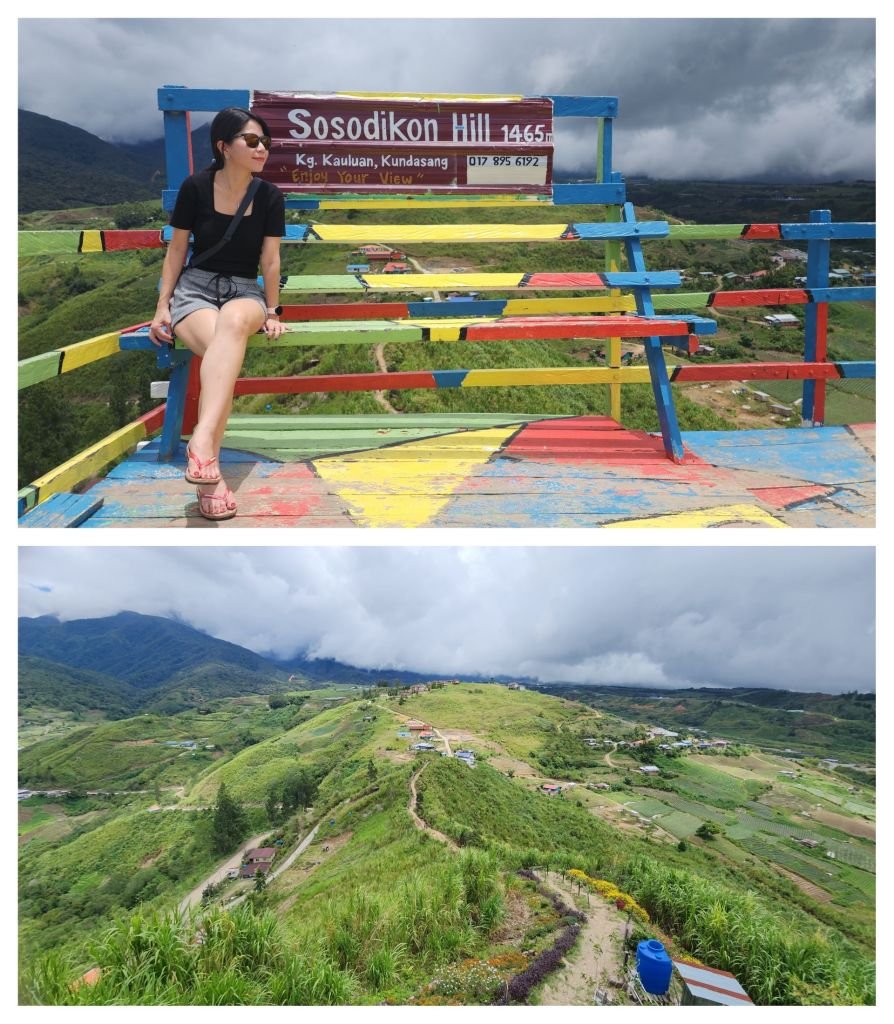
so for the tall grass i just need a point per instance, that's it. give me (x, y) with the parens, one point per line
(236, 958)
(777, 962)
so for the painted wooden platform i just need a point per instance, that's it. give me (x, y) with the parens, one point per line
(476, 470)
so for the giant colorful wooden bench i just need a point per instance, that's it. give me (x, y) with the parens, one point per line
(474, 152)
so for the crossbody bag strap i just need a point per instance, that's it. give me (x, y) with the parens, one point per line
(231, 227)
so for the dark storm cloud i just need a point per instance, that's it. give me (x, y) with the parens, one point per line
(796, 618)
(708, 98)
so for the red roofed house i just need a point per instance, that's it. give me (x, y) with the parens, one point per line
(416, 726)
(258, 861)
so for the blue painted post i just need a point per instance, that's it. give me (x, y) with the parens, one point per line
(813, 395)
(169, 443)
(664, 400)
(178, 144)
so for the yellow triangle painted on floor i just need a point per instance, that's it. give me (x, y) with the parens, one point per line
(722, 515)
(408, 484)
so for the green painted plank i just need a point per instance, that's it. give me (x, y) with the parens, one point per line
(706, 230)
(683, 300)
(38, 368)
(294, 448)
(344, 334)
(323, 283)
(41, 243)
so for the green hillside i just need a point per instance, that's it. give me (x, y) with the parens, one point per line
(379, 909)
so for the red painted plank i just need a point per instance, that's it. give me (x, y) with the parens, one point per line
(510, 328)
(767, 297)
(153, 420)
(116, 241)
(595, 439)
(762, 231)
(334, 382)
(784, 497)
(347, 311)
(565, 281)
(757, 371)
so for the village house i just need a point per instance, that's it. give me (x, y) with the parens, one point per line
(650, 769)
(257, 862)
(423, 746)
(602, 785)
(551, 790)
(416, 726)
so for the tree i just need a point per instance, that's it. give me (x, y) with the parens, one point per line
(371, 772)
(229, 822)
(272, 804)
(709, 830)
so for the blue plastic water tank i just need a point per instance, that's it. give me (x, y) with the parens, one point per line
(653, 966)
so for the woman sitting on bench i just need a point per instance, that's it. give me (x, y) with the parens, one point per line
(236, 222)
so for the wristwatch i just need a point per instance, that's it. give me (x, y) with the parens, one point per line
(274, 311)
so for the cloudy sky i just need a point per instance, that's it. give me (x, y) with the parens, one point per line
(797, 618)
(703, 98)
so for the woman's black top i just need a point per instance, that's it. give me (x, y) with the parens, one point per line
(194, 211)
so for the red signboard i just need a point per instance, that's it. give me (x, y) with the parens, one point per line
(336, 143)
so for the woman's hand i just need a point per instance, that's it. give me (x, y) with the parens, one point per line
(274, 327)
(160, 331)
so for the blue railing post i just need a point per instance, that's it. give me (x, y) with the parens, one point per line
(169, 443)
(813, 395)
(664, 400)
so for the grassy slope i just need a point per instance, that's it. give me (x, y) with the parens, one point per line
(386, 860)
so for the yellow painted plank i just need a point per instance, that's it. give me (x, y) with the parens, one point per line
(89, 461)
(430, 204)
(428, 97)
(409, 282)
(596, 304)
(392, 233)
(723, 515)
(89, 351)
(448, 322)
(407, 485)
(557, 375)
(91, 241)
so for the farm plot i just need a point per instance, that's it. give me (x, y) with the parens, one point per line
(711, 786)
(835, 796)
(680, 824)
(818, 872)
(700, 811)
(648, 806)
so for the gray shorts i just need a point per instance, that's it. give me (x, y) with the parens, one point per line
(205, 289)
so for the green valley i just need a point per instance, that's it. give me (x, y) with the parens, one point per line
(406, 875)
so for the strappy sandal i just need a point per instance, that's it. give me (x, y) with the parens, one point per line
(200, 464)
(206, 507)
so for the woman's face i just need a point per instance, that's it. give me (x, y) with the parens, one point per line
(239, 153)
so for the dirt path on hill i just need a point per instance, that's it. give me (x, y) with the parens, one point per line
(608, 758)
(595, 961)
(379, 396)
(379, 350)
(418, 822)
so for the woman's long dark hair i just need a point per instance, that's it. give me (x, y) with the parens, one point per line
(227, 124)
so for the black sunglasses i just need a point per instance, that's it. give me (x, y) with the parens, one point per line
(252, 140)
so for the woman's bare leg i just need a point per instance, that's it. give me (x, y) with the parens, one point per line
(220, 338)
